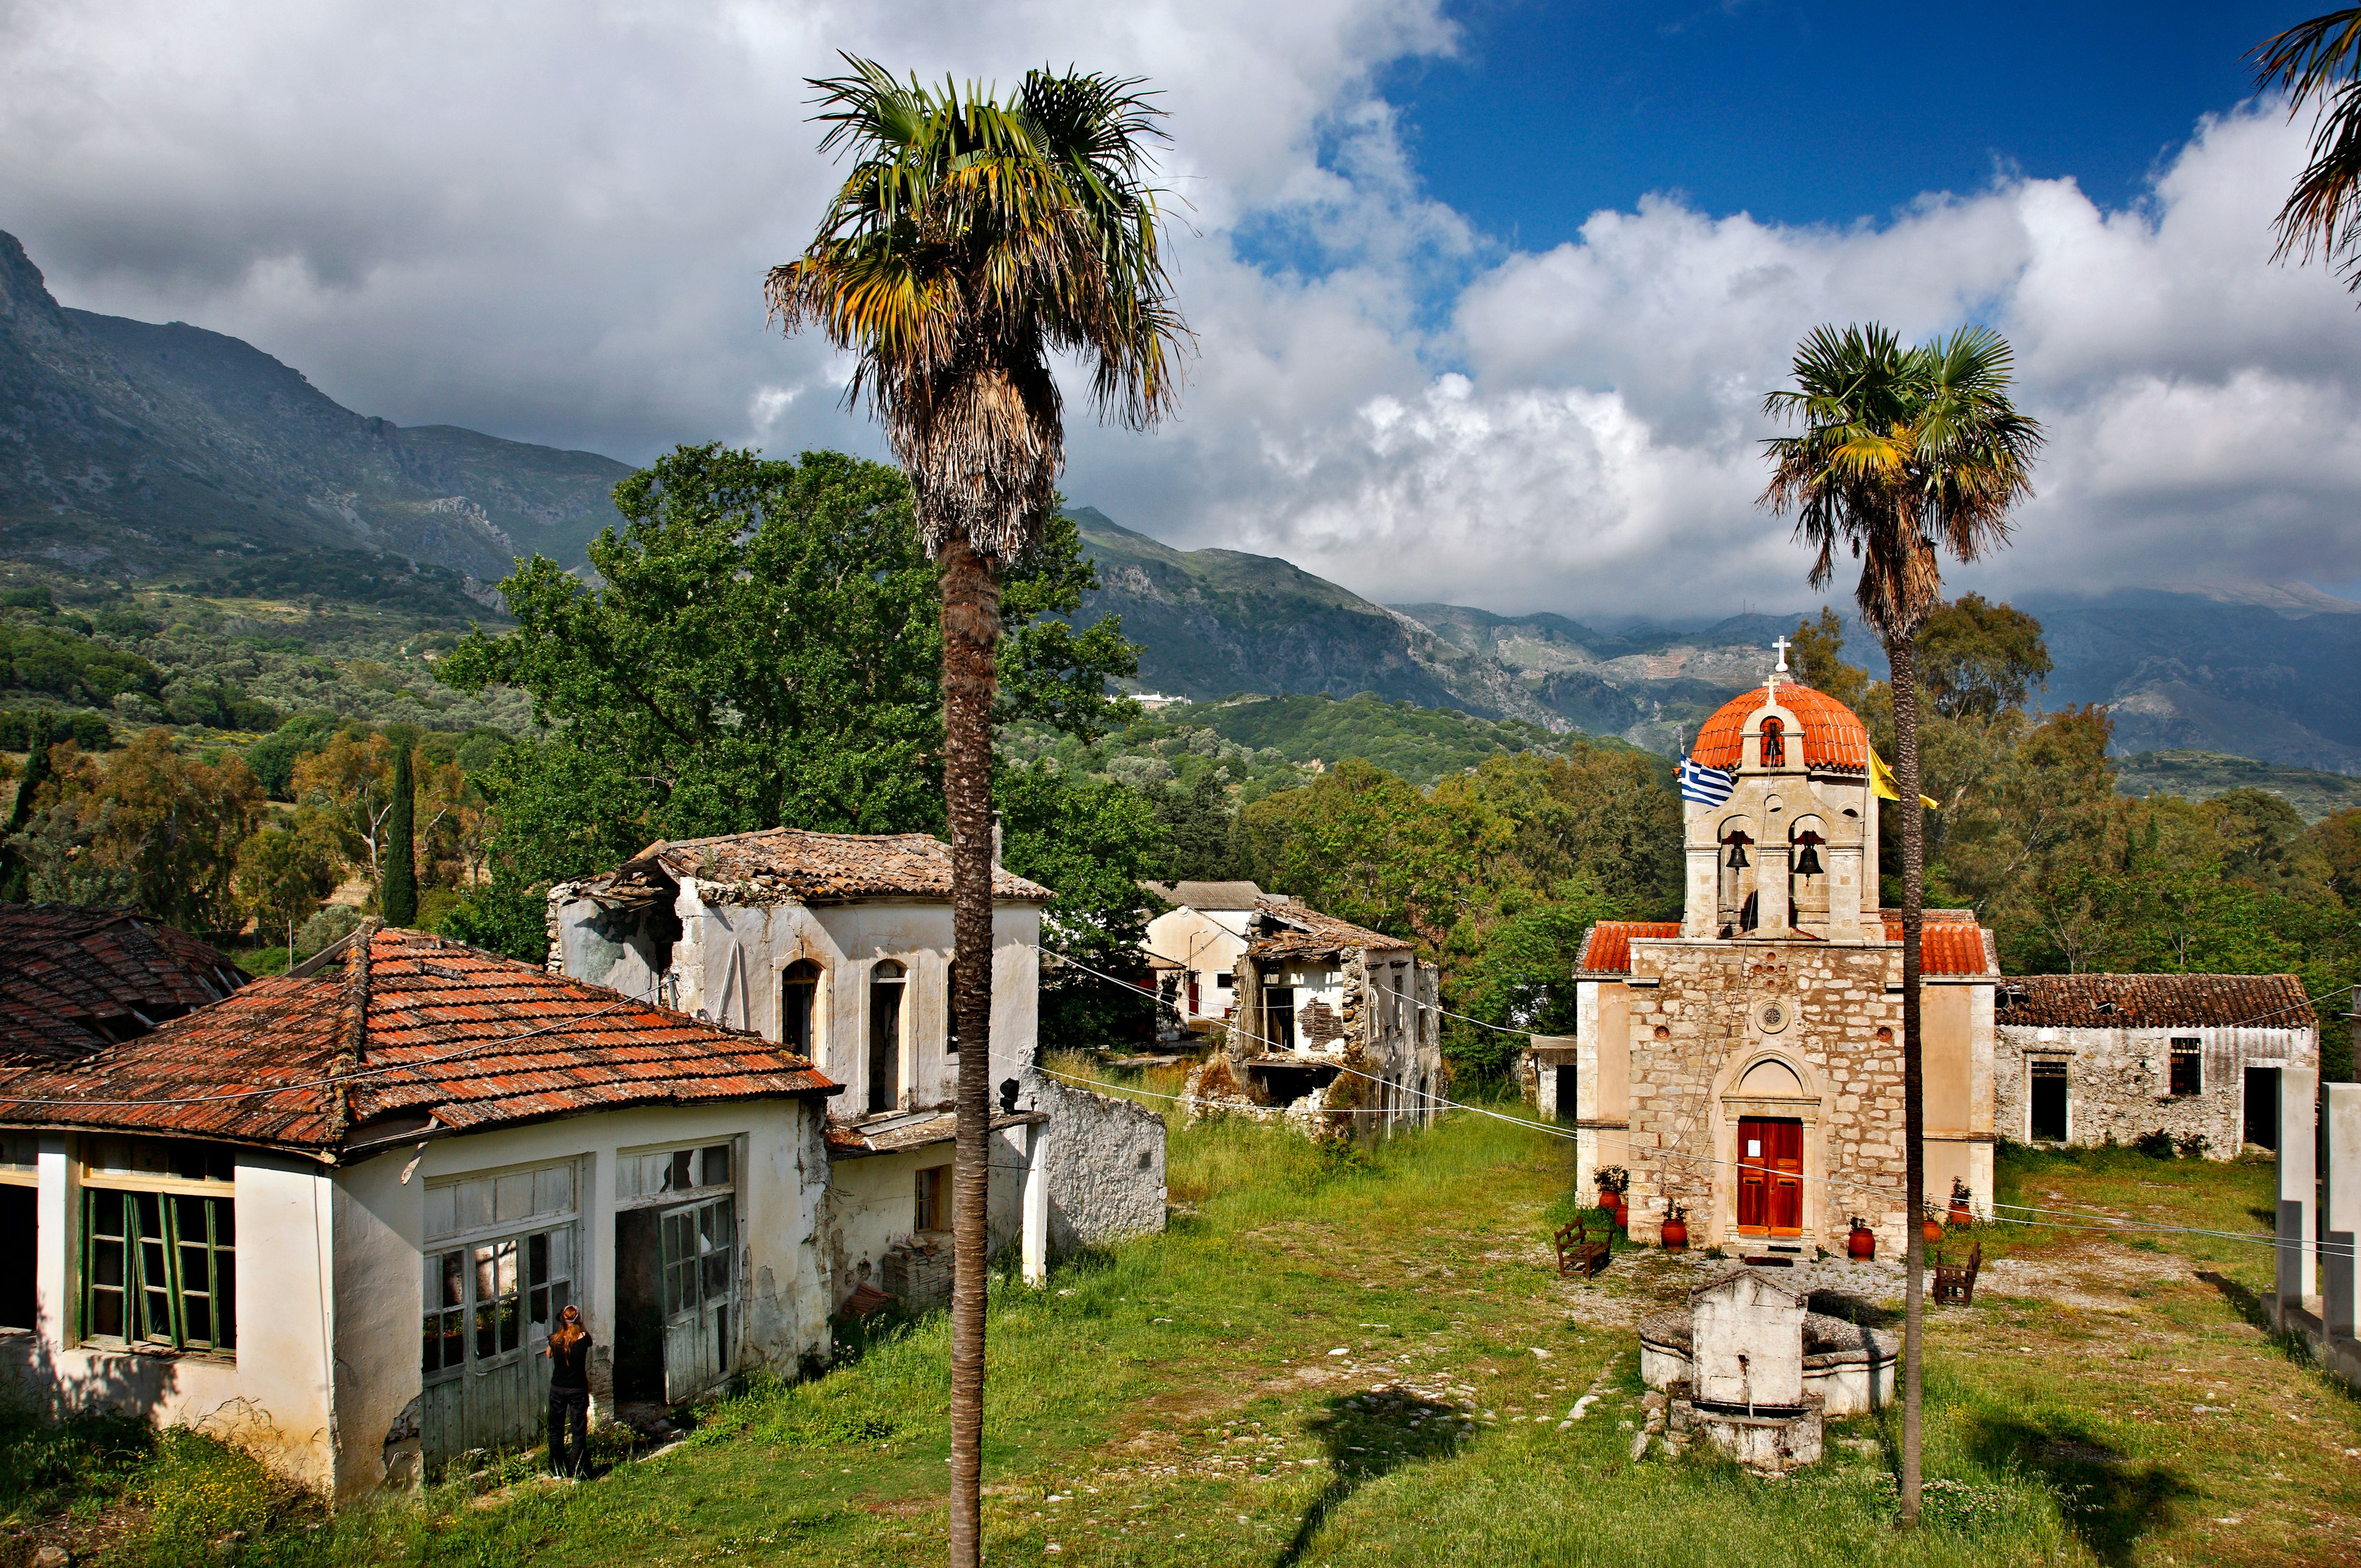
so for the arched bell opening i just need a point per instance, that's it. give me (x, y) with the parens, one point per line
(1735, 902)
(1808, 874)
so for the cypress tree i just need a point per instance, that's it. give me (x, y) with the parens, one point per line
(398, 897)
(35, 774)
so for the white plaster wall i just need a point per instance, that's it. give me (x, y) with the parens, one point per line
(1208, 944)
(377, 1225)
(272, 1397)
(1105, 1160)
(871, 1204)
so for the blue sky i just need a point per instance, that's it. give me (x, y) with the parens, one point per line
(1487, 292)
(1807, 111)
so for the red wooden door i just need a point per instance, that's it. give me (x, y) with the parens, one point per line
(1771, 1176)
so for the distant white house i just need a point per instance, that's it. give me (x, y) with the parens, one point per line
(1193, 948)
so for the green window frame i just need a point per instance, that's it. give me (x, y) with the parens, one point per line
(160, 1268)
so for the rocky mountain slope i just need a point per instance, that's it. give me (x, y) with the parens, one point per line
(131, 448)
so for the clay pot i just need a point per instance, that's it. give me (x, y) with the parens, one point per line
(1612, 1201)
(1860, 1243)
(1933, 1231)
(1962, 1215)
(1676, 1235)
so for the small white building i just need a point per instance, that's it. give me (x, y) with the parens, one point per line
(1193, 948)
(2090, 1059)
(839, 947)
(333, 1216)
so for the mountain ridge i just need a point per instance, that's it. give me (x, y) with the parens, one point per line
(146, 448)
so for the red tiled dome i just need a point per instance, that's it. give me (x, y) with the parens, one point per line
(1834, 736)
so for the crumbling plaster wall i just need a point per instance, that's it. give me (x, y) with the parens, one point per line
(2119, 1082)
(1104, 1162)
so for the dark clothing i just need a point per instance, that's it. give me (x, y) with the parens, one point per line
(569, 1367)
(569, 1430)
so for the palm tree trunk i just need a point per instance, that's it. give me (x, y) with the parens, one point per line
(971, 627)
(1902, 657)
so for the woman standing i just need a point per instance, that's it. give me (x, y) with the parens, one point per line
(569, 1393)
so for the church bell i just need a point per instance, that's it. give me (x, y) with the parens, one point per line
(1738, 862)
(1808, 862)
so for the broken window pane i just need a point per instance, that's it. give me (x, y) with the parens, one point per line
(716, 1160)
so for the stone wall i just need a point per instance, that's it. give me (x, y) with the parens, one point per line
(2119, 1082)
(1106, 1164)
(1701, 1026)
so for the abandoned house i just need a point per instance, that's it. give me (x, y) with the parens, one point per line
(1333, 1021)
(839, 947)
(73, 979)
(1193, 949)
(333, 1216)
(2094, 1058)
(1745, 1062)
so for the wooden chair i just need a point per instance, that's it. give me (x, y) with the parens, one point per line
(1577, 1253)
(1957, 1282)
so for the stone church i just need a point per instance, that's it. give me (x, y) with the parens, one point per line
(1745, 1063)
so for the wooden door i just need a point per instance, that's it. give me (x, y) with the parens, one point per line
(1770, 1175)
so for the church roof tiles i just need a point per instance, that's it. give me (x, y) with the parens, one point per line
(1834, 736)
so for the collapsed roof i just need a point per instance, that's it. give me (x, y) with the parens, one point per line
(782, 864)
(1288, 929)
(73, 979)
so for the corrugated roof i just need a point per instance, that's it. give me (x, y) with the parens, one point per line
(464, 1037)
(1834, 736)
(810, 868)
(2155, 1002)
(1303, 932)
(72, 978)
(1606, 949)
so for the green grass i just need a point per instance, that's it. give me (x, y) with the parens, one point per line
(1174, 1402)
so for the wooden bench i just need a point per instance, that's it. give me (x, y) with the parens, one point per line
(1577, 1253)
(1957, 1281)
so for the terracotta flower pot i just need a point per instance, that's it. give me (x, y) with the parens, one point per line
(1612, 1201)
(1962, 1215)
(1676, 1235)
(1933, 1231)
(1860, 1243)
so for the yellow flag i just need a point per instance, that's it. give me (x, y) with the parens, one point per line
(1882, 784)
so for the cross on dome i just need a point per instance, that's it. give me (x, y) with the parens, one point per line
(1771, 682)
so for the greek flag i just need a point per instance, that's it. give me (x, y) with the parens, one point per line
(1706, 786)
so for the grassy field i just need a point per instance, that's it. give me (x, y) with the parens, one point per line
(1366, 1358)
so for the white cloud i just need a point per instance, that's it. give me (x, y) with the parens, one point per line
(551, 221)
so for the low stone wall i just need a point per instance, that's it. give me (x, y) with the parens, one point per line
(1106, 1162)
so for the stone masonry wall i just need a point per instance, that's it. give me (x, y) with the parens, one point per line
(2119, 1082)
(1703, 1020)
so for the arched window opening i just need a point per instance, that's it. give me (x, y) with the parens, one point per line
(1735, 901)
(798, 994)
(1808, 874)
(887, 980)
(1775, 743)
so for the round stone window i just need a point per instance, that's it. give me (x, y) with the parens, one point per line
(1772, 1017)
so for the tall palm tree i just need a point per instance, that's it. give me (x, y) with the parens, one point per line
(1904, 453)
(971, 237)
(2318, 64)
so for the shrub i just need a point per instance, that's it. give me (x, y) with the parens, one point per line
(2156, 1145)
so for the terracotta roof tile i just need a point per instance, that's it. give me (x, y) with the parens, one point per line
(810, 868)
(455, 1038)
(2155, 1002)
(1834, 736)
(1606, 949)
(74, 978)
(1303, 932)
(1950, 943)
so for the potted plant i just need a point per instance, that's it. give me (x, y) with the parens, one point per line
(1963, 1203)
(1676, 1228)
(1860, 1242)
(1932, 1227)
(1613, 1182)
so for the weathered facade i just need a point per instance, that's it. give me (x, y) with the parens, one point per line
(2097, 1059)
(1745, 1062)
(1336, 1027)
(333, 1216)
(839, 946)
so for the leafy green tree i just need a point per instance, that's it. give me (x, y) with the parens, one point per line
(1977, 658)
(1819, 658)
(1199, 824)
(398, 893)
(1903, 454)
(761, 649)
(284, 873)
(1091, 842)
(971, 239)
(20, 811)
(1524, 977)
